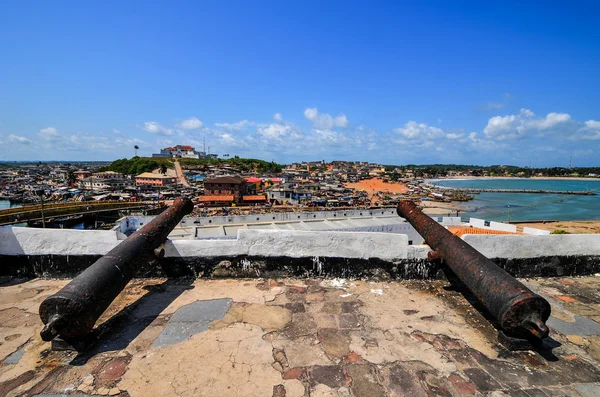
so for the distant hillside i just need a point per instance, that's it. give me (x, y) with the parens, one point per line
(244, 165)
(137, 165)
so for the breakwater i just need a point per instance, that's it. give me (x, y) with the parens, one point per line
(539, 191)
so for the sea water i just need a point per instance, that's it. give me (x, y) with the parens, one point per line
(6, 204)
(527, 206)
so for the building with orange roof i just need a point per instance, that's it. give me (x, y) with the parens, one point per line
(462, 230)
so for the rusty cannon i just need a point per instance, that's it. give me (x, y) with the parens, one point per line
(71, 313)
(519, 311)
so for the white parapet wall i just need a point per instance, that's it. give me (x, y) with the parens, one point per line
(32, 241)
(452, 221)
(505, 227)
(535, 232)
(531, 246)
(268, 243)
(296, 244)
(492, 225)
(476, 222)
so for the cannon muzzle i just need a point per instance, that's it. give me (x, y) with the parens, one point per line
(518, 310)
(72, 312)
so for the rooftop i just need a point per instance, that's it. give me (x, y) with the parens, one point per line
(301, 337)
(226, 179)
(203, 199)
(462, 230)
(183, 147)
(153, 175)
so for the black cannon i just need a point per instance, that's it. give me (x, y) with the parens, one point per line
(519, 311)
(72, 312)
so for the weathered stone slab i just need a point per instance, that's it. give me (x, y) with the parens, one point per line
(192, 319)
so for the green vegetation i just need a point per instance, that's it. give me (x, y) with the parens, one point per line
(560, 231)
(441, 170)
(137, 165)
(244, 165)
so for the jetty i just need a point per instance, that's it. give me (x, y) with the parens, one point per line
(34, 213)
(535, 191)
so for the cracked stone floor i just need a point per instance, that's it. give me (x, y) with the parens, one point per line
(300, 337)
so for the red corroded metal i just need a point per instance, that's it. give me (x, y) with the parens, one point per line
(518, 310)
(72, 312)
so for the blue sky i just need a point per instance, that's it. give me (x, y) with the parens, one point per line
(391, 82)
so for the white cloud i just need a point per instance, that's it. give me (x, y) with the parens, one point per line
(413, 140)
(190, 124)
(589, 132)
(324, 120)
(455, 135)
(329, 137)
(551, 120)
(229, 141)
(419, 131)
(501, 128)
(593, 124)
(517, 126)
(49, 131)
(19, 139)
(526, 113)
(236, 126)
(228, 138)
(274, 131)
(156, 128)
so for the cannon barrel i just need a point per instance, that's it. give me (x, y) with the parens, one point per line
(72, 312)
(518, 310)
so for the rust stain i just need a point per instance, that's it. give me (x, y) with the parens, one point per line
(566, 298)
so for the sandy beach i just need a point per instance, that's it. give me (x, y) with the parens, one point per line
(372, 186)
(441, 208)
(574, 227)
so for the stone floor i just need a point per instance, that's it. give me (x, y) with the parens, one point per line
(298, 337)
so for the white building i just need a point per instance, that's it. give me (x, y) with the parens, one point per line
(181, 151)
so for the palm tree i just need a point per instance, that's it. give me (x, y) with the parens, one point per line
(136, 147)
(163, 169)
(71, 178)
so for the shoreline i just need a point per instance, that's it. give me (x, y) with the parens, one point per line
(441, 209)
(572, 227)
(557, 178)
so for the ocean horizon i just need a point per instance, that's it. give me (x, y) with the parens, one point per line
(529, 206)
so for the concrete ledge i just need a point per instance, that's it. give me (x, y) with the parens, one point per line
(518, 246)
(535, 232)
(505, 227)
(31, 252)
(296, 244)
(31, 241)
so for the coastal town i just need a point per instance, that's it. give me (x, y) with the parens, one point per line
(221, 186)
(299, 199)
(286, 279)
